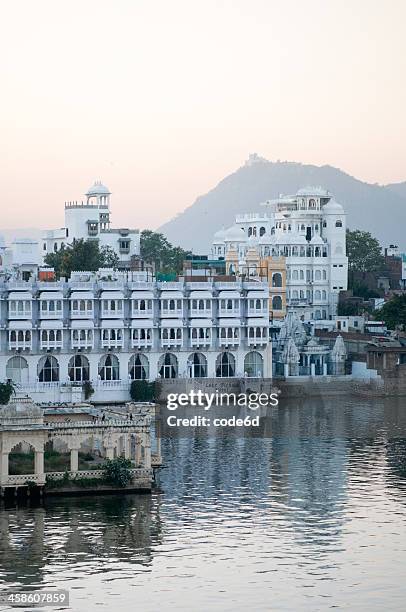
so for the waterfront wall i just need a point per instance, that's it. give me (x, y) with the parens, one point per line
(290, 387)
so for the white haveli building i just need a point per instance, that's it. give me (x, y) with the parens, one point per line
(308, 229)
(55, 336)
(90, 219)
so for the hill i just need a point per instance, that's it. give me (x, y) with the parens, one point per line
(377, 208)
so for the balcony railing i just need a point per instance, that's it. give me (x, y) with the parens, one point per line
(51, 344)
(82, 344)
(166, 312)
(171, 342)
(107, 313)
(205, 312)
(229, 312)
(141, 343)
(19, 345)
(20, 314)
(82, 314)
(141, 314)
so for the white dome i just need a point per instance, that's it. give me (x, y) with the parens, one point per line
(332, 207)
(312, 191)
(234, 234)
(219, 236)
(317, 240)
(97, 189)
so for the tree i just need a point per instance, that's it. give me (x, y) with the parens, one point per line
(394, 312)
(6, 391)
(109, 257)
(363, 252)
(82, 255)
(155, 249)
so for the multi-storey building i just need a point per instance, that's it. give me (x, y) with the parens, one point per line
(90, 219)
(58, 335)
(308, 230)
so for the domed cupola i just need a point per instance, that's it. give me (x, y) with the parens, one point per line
(219, 236)
(332, 208)
(234, 234)
(98, 194)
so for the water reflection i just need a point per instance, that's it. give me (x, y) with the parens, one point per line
(308, 518)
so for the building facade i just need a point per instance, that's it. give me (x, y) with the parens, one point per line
(109, 331)
(309, 231)
(91, 219)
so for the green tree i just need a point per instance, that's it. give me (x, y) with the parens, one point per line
(109, 257)
(393, 312)
(364, 252)
(82, 255)
(6, 391)
(157, 250)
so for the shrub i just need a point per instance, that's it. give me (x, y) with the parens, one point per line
(88, 389)
(6, 391)
(143, 391)
(117, 471)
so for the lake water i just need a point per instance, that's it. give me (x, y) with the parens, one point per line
(312, 517)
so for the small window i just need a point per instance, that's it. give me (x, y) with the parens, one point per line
(339, 223)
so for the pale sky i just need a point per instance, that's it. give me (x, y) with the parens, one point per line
(160, 99)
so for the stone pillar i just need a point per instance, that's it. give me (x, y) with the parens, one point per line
(158, 437)
(74, 459)
(109, 452)
(39, 463)
(138, 448)
(324, 368)
(286, 369)
(147, 451)
(4, 467)
(313, 369)
(127, 446)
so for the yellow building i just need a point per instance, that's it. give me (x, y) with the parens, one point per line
(271, 269)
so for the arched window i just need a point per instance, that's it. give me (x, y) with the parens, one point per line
(324, 295)
(317, 295)
(324, 223)
(138, 367)
(48, 369)
(301, 275)
(197, 366)
(317, 275)
(312, 203)
(324, 275)
(261, 231)
(276, 302)
(295, 294)
(78, 368)
(339, 223)
(17, 370)
(225, 365)
(295, 275)
(253, 364)
(109, 368)
(168, 366)
(276, 279)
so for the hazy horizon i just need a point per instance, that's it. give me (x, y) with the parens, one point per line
(161, 100)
